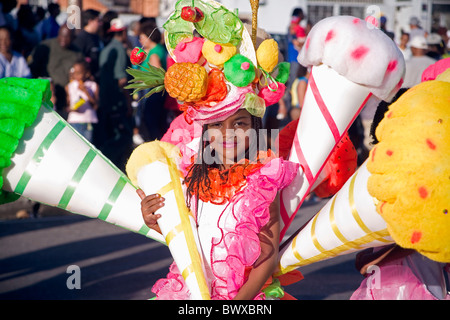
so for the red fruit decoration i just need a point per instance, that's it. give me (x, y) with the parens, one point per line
(137, 56)
(192, 14)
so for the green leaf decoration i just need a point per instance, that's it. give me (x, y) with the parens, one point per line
(219, 25)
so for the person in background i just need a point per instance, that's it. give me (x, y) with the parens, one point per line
(82, 99)
(25, 37)
(295, 39)
(105, 35)
(298, 92)
(6, 19)
(151, 111)
(383, 21)
(418, 62)
(415, 28)
(133, 34)
(403, 45)
(88, 39)
(53, 58)
(113, 134)
(12, 63)
(435, 46)
(50, 27)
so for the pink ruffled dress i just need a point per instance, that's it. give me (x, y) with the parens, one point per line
(228, 234)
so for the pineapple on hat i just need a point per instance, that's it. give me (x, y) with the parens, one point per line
(183, 81)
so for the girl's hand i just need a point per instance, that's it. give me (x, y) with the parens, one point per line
(149, 205)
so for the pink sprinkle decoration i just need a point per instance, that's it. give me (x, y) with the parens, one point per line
(245, 65)
(423, 192)
(416, 237)
(389, 153)
(356, 21)
(431, 145)
(392, 65)
(359, 52)
(218, 48)
(330, 35)
(307, 43)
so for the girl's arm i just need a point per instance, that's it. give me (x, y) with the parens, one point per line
(266, 264)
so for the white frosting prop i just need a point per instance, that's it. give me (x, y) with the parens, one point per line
(353, 64)
(177, 224)
(348, 222)
(55, 165)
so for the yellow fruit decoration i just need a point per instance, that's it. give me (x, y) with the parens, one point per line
(410, 170)
(267, 55)
(218, 53)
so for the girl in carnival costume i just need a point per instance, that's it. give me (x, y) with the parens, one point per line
(233, 183)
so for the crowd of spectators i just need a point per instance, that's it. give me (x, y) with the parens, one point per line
(87, 70)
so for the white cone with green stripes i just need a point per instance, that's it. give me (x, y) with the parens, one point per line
(55, 165)
(349, 222)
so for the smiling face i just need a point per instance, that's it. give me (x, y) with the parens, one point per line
(230, 139)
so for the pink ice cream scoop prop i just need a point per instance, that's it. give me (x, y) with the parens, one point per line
(353, 63)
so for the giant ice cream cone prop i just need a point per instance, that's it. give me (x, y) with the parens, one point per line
(49, 162)
(400, 194)
(352, 63)
(347, 223)
(153, 167)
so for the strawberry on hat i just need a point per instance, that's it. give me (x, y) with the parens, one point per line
(137, 56)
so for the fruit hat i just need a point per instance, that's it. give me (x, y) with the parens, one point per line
(217, 69)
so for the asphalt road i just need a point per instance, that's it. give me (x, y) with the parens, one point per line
(37, 258)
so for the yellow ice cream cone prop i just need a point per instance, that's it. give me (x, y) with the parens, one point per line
(344, 78)
(153, 167)
(54, 165)
(348, 222)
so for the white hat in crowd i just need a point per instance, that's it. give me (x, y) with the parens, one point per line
(418, 42)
